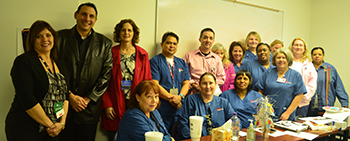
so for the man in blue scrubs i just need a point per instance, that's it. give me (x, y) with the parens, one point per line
(172, 74)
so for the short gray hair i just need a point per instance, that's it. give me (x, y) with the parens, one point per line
(286, 52)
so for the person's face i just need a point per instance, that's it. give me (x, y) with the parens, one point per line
(242, 82)
(281, 60)
(253, 41)
(148, 101)
(169, 46)
(220, 53)
(298, 47)
(263, 53)
(86, 18)
(43, 42)
(207, 39)
(317, 56)
(237, 53)
(275, 47)
(126, 33)
(207, 85)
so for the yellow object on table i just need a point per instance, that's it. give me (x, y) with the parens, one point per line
(219, 134)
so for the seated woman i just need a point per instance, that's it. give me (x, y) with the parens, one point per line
(258, 67)
(285, 86)
(242, 98)
(215, 110)
(335, 85)
(142, 114)
(220, 50)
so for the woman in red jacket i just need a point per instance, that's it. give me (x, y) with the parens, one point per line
(130, 67)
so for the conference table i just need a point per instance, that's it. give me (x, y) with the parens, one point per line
(258, 136)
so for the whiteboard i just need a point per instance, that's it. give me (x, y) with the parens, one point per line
(230, 21)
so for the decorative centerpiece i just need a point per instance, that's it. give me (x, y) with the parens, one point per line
(263, 117)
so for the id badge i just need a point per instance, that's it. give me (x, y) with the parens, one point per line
(126, 84)
(58, 108)
(281, 80)
(174, 91)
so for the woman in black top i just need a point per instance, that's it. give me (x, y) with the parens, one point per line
(40, 106)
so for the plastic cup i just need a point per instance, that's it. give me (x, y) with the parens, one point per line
(196, 125)
(153, 136)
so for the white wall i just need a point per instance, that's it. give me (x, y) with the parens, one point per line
(319, 22)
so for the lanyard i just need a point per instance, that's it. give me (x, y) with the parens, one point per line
(328, 80)
(172, 72)
(47, 66)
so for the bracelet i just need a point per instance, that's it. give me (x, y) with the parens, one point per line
(62, 125)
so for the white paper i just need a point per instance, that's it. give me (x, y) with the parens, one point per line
(242, 134)
(275, 134)
(304, 135)
(340, 116)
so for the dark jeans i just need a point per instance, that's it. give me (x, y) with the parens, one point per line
(78, 132)
(15, 133)
(302, 111)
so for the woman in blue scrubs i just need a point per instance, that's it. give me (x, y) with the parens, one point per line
(258, 67)
(236, 53)
(334, 83)
(242, 99)
(285, 86)
(142, 115)
(214, 110)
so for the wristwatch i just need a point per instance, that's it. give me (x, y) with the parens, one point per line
(182, 96)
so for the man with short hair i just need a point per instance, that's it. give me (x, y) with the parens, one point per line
(88, 56)
(171, 73)
(204, 60)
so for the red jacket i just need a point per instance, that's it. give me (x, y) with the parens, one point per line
(114, 97)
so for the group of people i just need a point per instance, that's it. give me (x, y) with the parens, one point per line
(67, 80)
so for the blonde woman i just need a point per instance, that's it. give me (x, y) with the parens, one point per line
(220, 50)
(252, 40)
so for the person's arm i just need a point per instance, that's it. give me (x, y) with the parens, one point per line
(184, 90)
(297, 99)
(105, 74)
(311, 82)
(39, 115)
(164, 94)
(57, 127)
(341, 94)
(220, 73)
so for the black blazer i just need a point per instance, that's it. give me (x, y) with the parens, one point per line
(31, 85)
(95, 73)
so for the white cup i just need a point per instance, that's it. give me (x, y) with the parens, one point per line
(196, 125)
(153, 136)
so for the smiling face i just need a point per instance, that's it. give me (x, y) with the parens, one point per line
(253, 41)
(298, 47)
(44, 42)
(207, 85)
(169, 46)
(275, 47)
(237, 53)
(207, 40)
(148, 101)
(220, 53)
(263, 53)
(317, 56)
(85, 19)
(281, 61)
(242, 82)
(126, 33)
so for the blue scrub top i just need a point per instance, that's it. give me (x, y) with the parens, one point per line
(336, 88)
(250, 55)
(245, 108)
(282, 93)
(135, 124)
(257, 70)
(220, 108)
(160, 71)
(244, 62)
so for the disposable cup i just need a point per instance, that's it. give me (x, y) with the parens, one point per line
(153, 136)
(196, 125)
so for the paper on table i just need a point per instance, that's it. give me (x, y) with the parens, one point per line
(341, 116)
(304, 135)
(242, 134)
(275, 134)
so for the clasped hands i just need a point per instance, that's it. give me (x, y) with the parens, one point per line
(175, 100)
(78, 103)
(54, 129)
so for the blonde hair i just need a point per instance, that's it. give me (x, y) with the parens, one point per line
(256, 34)
(275, 42)
(225, 61)
(306, 51)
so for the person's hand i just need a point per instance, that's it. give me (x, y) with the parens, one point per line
(284, 116)
(54, 130)
(179, 106)
(78, 103)
(176, 99)
(87, 100)
(172, 139)
(195, 85)
(110, 113)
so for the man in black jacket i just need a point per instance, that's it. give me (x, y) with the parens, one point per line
(88, 56)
